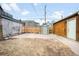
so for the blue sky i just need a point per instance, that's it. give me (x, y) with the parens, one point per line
(35, 11)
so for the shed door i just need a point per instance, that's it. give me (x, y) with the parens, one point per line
(71, 29)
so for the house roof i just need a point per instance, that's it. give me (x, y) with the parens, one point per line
(7, 16)
(10, 18)
(66, 18)
(31, 23)
(1, 8)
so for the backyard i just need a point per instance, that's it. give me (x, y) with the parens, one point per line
(31, 45)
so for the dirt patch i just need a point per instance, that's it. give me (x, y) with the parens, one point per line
(34, 47)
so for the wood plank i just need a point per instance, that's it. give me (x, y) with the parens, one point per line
(60, 28)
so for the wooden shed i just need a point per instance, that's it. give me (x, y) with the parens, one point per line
(68, 27)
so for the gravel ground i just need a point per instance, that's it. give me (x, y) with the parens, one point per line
(34, 47)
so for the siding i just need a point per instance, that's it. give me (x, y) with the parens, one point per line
(60, 28)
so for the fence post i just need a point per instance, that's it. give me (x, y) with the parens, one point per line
(1, 33)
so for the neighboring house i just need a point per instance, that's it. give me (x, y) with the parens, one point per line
(68, 27)
(31, 23)
(31, 27)
(9, 25)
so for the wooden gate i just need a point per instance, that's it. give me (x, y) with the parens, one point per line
(59, 28)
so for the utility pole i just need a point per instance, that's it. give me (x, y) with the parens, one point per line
(45, 27)
(45, 12)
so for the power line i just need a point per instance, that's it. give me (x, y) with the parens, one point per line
(34, 9)
(45, 13)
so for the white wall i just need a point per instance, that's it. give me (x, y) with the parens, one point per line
(45, 29)
(10, 27)
(5, 27)
(71, 28)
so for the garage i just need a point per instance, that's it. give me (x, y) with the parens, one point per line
(68, 27)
